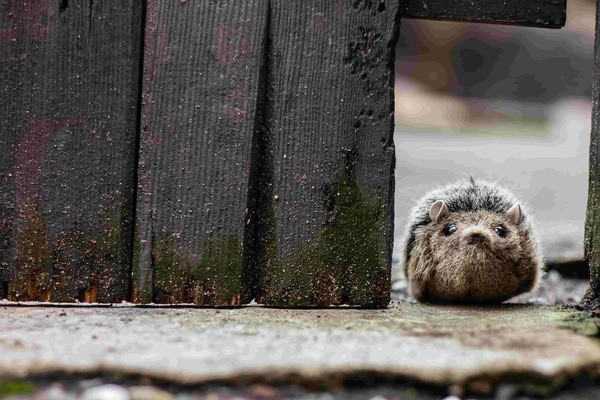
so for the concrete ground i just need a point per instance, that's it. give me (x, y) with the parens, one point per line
(533, 349)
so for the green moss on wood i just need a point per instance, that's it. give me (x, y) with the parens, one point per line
(32, 278)
(75, 266)
(346, 264)
(90, 262)
(6, 247)
(219, 271)
(107, 250)
(172, 282)
(141, 287)
(580, 323)
(210, 277)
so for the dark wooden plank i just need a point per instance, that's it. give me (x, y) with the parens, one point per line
(540, 13)
(201, 78)
(326, 175)
(68, 100)
(591, 300)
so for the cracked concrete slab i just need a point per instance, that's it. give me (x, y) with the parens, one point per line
(465, 347)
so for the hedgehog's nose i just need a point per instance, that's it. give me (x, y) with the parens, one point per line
(476, 238)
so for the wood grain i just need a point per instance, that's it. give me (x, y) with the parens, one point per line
(68, 101)
(591, 300)
(327, 155)
(202, 62)
(537, 13)
(265, 164)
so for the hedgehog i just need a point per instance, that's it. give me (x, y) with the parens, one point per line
(470, 242)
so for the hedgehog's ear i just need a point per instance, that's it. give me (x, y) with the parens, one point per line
(438, 210)
(514, 214)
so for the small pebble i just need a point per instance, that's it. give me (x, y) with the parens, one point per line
(106, 392)
(505, 392)
(89, 383)
(263, 391)
(149, 393)
(56, 393)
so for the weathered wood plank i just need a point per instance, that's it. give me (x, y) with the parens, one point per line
(201, 81)
(591, 300)
(540, 13)
(68, 95)
(326, 180)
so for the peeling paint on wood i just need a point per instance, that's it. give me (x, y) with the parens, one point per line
(68, 101)
(328, 155)
(202, 63)
(28, 20)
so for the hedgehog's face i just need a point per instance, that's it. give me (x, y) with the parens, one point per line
(473, 256)
(477, 234)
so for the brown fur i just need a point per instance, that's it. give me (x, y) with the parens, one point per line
(451, 269)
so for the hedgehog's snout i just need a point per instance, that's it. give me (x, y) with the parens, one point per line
(476, 238)
(475, 235)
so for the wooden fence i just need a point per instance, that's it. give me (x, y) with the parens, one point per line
(205, 151)
(591, 300)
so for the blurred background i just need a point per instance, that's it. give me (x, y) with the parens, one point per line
(504, 103)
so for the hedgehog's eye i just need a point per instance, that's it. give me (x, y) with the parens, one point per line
(500, 231)
(449, 229)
